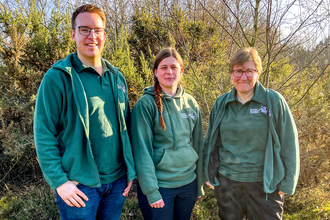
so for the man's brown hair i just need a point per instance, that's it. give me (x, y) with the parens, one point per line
(87, 8)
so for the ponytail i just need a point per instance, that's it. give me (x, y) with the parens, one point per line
(158, 99)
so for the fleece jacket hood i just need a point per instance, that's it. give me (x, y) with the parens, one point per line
(172, 157)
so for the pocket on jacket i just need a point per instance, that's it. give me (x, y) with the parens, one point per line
(176, 162)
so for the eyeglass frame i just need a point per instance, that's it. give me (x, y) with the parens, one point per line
(254, 71)
(90, 30)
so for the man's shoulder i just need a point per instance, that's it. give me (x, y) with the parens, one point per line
(60, 71)
(63, 65)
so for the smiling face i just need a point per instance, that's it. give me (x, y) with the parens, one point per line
(89, 47)
(168, 73)
(245, 85)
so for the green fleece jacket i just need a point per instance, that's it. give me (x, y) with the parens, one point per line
(61, 126)
(281, 166)
(170, 158)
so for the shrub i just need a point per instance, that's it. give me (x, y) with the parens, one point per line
(206, 207)
(35, 202)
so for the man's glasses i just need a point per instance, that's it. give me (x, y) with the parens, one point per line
(248, 73)
(85, 31)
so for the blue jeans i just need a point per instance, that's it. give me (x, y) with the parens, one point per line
(179, 203)
(105, 202)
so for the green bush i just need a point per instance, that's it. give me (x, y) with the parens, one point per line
(206, 206)
(33, 38)
(308, 204)
(131, 210)
(36, 202)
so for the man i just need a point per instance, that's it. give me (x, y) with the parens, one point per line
(81, 126)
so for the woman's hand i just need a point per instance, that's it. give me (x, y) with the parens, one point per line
(209, 184)
(281, 193)
(158, 204)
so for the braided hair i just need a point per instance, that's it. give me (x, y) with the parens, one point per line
(164, 53)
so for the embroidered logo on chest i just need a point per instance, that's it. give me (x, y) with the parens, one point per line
(191, 115)
(121, 87)
(184, 115)
(262, 109)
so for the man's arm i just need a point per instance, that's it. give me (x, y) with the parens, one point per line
(46, 128)
(128, 126)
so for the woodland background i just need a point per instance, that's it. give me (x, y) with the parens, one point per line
(292, 37)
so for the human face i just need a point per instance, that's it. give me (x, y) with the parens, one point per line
(169, 73)
(244, 84)
(89, 47)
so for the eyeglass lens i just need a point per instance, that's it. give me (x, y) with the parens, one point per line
(85, 31)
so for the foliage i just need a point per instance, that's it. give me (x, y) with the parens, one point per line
(206, 206)
(37, 202)
(131, 210)
(198, 42)
(309, 204)
(119, 54)
(29, 45)
(206, 35)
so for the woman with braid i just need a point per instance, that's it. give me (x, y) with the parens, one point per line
(167, 138)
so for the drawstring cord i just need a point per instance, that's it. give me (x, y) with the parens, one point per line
(185, 109)
(169, 115)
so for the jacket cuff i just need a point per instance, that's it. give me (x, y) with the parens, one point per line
(154, 197)
(55, 184)
(286, 190)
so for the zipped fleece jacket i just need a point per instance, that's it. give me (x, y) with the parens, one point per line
(61, 126)
(172, 157)
(281, 166)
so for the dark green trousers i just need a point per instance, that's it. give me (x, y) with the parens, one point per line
(245, 200)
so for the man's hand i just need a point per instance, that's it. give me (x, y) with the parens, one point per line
(158, 204)
(128, 188)
(71, 195)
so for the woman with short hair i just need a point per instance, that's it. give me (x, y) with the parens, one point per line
(251, 146)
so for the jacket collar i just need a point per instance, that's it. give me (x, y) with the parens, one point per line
(260, 94)
(80, 67)
(67, 64)
(180, 92)
(178, 95)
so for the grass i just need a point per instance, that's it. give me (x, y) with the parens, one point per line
(38, 202)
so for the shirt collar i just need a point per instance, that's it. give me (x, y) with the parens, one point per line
(80, 67)
(260, 94)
